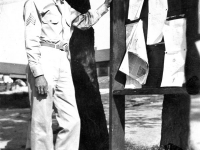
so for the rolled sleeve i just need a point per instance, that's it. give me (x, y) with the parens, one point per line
(32, 37)
(103, 9)
(87, 20)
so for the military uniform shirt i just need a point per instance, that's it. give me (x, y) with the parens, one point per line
(52, 21)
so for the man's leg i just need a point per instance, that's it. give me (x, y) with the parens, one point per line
(42, 105)
(67, 112)
(41, 121)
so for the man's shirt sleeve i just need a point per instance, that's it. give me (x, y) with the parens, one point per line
(87, 20)
(32, 37)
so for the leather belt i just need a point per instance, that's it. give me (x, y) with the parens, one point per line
(57, 46)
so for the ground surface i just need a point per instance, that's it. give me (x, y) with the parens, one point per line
(143, 118)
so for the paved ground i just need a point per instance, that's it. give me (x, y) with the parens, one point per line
(143, 119)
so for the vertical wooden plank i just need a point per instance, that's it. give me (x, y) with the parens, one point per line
(117, 47)
(176, 113)
(176, 120)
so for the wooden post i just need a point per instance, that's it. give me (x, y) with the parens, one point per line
(117, 50)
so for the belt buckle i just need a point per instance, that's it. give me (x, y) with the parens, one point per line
(57, 46)
(61, 47)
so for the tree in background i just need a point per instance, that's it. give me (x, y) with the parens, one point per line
(94, 133)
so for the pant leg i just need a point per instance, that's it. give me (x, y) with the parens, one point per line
(42, 105)
(67, 113)
(41, 121)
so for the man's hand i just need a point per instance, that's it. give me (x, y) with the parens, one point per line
(107, 2)
(41, 85)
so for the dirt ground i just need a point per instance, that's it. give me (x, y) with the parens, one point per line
(143, 118)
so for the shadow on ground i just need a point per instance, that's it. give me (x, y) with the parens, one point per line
(142, 116)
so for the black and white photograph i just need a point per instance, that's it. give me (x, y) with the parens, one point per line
(99, 75)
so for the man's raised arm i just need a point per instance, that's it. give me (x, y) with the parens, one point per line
(87, 20)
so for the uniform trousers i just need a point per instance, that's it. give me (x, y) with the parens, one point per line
(61, 94)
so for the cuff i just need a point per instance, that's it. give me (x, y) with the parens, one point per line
(103, 9)
(36, 70)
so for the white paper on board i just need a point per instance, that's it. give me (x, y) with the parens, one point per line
(173, 74)
(135, 7)
(175, 45)
(135, 62)
(136, 43)
(156, 19)
(132, 83)
(175, 35)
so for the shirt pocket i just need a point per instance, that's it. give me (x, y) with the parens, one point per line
(50, 19)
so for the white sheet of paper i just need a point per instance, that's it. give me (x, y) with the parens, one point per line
(156, 6)
(156, 19)
(175, 35)
(173, 74)
(132, 84)
(131, 29)
(138, 68)
(175, 44)
(135, 7)
(124, 66)
(136, 44)
(197, 43)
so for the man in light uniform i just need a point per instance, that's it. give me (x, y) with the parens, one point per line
(48, 27)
